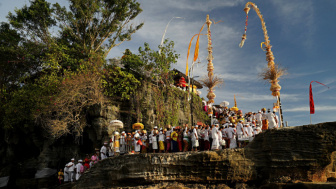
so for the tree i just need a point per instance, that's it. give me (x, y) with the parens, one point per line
(64, 68)
(97, 25)
(159, 64)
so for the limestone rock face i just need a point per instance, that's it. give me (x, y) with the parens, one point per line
(301, 153)
(141, 169)
(286, 155)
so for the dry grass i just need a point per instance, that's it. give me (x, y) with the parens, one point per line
(211, 82)
(272, 74)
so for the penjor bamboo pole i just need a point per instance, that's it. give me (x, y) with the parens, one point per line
(211, 95)
(275, 87)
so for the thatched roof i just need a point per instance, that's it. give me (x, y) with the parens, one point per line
(180, 74)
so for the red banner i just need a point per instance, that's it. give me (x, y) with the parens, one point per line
(311, 99)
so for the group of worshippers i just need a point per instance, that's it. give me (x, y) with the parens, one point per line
(236, 130)
(72, 171)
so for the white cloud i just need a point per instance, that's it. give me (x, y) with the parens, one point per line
(195, 5)
(306, 108)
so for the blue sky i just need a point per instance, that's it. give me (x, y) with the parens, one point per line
(301, 33)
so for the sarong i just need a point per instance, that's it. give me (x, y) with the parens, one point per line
(206, 145)
(155, 145)
(168, 144)
(264, 124)
(161, 145)
(179, 145)
(185, 143)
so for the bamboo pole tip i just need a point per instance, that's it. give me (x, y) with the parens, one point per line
(247, 9)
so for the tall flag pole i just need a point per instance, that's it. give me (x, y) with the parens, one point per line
(273, 72)
(311, 99)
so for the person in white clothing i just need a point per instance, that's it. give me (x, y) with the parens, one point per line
(150, 141)
(240, 131)
(258, 118)
(215, 138)
(254, 116)
(71, 170)
(194, 139)
(123, 142)
(232, 136)
(226, 137)
(276, 119)
(79, 167)
(271, 120)
(161, 141)
(137, 146)
(248, 132)
(66, 173)
(103, 151)
(221, 139)
(206, 139)
(168, 133)
(154, 139)
(226, 125)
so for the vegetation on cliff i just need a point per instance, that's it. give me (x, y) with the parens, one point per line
(53, 67)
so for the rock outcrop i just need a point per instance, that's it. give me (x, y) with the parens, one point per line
(295, 154)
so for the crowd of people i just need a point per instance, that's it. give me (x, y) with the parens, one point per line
(72, 171)
(236, 131)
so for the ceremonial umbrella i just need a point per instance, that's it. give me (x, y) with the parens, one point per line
(224, 104)
(234, 108)
(137, 126)
(114, 124)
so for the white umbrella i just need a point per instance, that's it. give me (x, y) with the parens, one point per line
(224, 104)
(114, 124)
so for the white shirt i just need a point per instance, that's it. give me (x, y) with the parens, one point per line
(78, 167)
(199, 133)
(239, 128)
(144, 137)
(122, 140)
(168, 134)
(231, 132)
(161, 136)
(264, 116)
(214, 133)
(72, 166)
(206, 134)
(154, 139)
(220, 136)
(248, 131)
(271, 120)
(150, 138)
(194, 134)
(185, 135)
(103, 150)
(258, 117)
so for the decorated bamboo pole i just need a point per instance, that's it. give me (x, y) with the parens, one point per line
(273, 72)
(211, 95)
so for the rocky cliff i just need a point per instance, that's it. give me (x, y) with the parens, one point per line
(295, 154)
